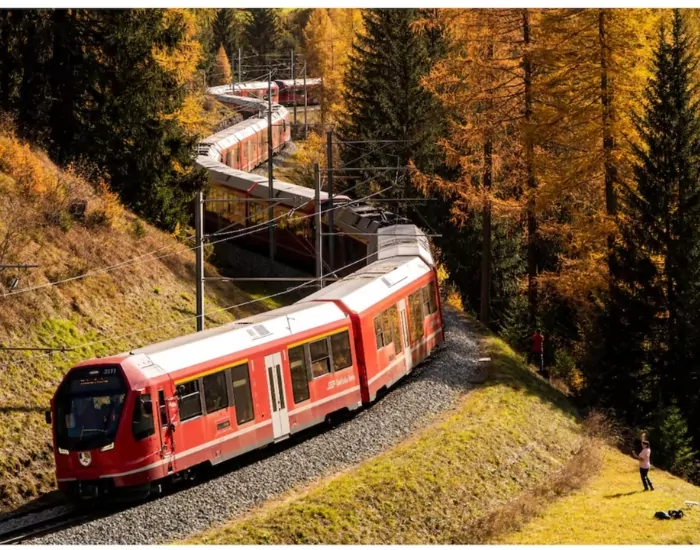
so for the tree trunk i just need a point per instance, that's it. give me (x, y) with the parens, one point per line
(531, 181)
(486, 234)
(487, 179)
(607, 120)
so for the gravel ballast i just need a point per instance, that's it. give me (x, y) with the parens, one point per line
(429, 390)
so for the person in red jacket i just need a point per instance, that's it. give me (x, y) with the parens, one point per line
(538, 349)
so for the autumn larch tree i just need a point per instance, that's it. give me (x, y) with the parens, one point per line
(221, 73)
(487, 85)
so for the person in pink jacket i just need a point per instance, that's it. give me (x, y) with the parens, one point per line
(644, 464)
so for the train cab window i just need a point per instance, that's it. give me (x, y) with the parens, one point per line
(189, 400)
(297, 367)
(320, 358)
(142, 425)
(242, 396)
(163, 410)
(215, 394)
(340, 346)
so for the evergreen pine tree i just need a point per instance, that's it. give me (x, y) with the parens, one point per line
(148, 156)
(671, 443)
(386, 102)
(262, 30)
(226, 32)
(653, 319)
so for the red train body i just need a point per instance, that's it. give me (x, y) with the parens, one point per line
(289, 89)
(135, 420)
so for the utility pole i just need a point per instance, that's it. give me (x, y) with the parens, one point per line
(306, 106)
(199, 266)
(317, 217)
(294, 91)
(271, 193)
(329, 161)
(239, 65)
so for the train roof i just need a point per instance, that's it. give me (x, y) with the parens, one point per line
(213, 145)
(288, 193)
(298, 82)
(245, 86)
(370, 285)
(403, 240)
(199, 347)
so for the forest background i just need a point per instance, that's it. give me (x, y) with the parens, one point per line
(560, 150)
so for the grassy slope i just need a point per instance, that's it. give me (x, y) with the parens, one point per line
(135, 298)
(613, 509)
(498, 469)
(503, 438)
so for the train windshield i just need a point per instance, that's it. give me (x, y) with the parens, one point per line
(89, 407)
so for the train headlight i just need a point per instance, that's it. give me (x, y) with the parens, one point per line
(85, 458)
(63, 451)
(108, 447)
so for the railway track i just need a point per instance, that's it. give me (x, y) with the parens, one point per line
(28, 529)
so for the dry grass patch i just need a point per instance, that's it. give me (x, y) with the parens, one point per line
(504, 438)
(614, 509)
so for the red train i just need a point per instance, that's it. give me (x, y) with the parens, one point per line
(133, 421)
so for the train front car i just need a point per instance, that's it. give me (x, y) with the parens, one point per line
(102, 419)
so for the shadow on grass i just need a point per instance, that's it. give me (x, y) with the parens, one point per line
(23, 409)
(618, 495)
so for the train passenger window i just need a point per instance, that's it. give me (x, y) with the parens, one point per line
(340, 346)
(429, 302)
(320, 358)
(386, 327)
(242, 397)
(258, 213)
(393, 313)
(297, 367)
(378, 332)
(163, 411)
(189, 400)
(432, 298)
(215, 394)
(415, 303)
(142, 422)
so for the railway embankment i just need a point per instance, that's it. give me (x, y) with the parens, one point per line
(447, 482)
(101, 272)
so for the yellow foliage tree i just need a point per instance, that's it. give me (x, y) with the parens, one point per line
(222, 69)
(182, 62)
(328, 38)
(596, 68)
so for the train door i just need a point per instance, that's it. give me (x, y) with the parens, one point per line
(167, 444)
(275, 383)
(406, 339)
